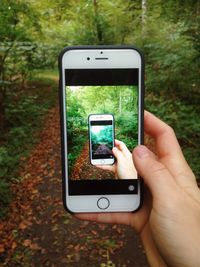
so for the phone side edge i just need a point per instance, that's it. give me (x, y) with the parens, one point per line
(62, 137)
(141, 122)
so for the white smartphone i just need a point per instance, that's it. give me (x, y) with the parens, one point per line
(101, 139)
(101, 107)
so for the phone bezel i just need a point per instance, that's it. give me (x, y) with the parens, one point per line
(130, 202)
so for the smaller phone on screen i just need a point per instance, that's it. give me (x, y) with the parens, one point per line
(101, 139)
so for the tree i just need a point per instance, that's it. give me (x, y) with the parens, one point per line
(17, 20)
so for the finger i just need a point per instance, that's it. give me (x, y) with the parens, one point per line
(155, 174)
(119, 218)
(136, 220)
(117, 153)
(120, 145)
(107, 167)
(168, 149)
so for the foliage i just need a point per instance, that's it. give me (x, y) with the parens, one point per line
(184, 118)
(76, 136)
(5, 196)
(78, 139)
(171, 59)
(24, 112)
(127, 128)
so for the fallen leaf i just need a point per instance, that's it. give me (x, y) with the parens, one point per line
(26, 242)
(34, 246)
(14, 245)
(2, 249)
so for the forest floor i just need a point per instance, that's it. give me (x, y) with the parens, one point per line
(83, 169)
(39, 232)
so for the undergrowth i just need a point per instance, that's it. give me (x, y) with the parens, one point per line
(24, 114)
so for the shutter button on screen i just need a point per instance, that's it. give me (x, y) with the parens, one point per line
(103, 203)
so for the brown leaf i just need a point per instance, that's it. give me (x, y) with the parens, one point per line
(77, 247)
(14, 245)
(94, 232)
(34, 191)
(2, 249)
(34, 246)
(22, 226)
(26, 242)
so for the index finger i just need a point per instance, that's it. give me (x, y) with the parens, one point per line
(168, 149)
(122, 146)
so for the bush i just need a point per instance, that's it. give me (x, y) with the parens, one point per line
(184, 118)
(5, 197)
(24, 112)
(75, 146)
(126, 129)
(7, 161)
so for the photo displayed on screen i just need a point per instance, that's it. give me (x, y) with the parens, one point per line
(90, 140)
(101, 134)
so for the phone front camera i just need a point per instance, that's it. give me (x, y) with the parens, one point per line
(101, 52)
(88, 58)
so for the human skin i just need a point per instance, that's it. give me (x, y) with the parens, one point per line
(123, 158)
(169, 220)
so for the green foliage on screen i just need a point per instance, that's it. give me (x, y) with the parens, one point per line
(103, 137)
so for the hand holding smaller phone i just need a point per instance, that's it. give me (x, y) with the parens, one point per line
(123, 167)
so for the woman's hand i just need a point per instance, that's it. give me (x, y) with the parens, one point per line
(169, 220)
(124, 167)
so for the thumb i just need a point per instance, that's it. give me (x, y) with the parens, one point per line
(155, 174)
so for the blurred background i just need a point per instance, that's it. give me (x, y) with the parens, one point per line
(32, 33)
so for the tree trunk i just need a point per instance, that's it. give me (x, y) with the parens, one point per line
(144, 16)
(2, 110)
(120, 102)
(98, 26)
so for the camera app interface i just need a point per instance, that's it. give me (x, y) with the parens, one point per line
(101, 123)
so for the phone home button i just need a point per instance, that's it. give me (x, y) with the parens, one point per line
(103, 203)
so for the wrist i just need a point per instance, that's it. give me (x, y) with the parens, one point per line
(153, 256)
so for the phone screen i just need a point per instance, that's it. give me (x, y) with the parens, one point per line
(101, 133)
(101, 111)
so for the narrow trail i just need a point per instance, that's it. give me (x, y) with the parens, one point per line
(39, 232)
(84, 170)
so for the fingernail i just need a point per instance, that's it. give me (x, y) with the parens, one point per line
(142, 151)
(114, 149)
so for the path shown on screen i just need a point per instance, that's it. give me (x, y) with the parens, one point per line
(84, 170)
(39, 232)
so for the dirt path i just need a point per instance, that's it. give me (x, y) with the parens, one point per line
(39, 232)
(83, 168)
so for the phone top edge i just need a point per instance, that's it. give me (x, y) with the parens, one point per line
(101, 116)
(94, 47)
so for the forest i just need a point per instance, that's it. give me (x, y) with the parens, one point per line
(32, 34)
